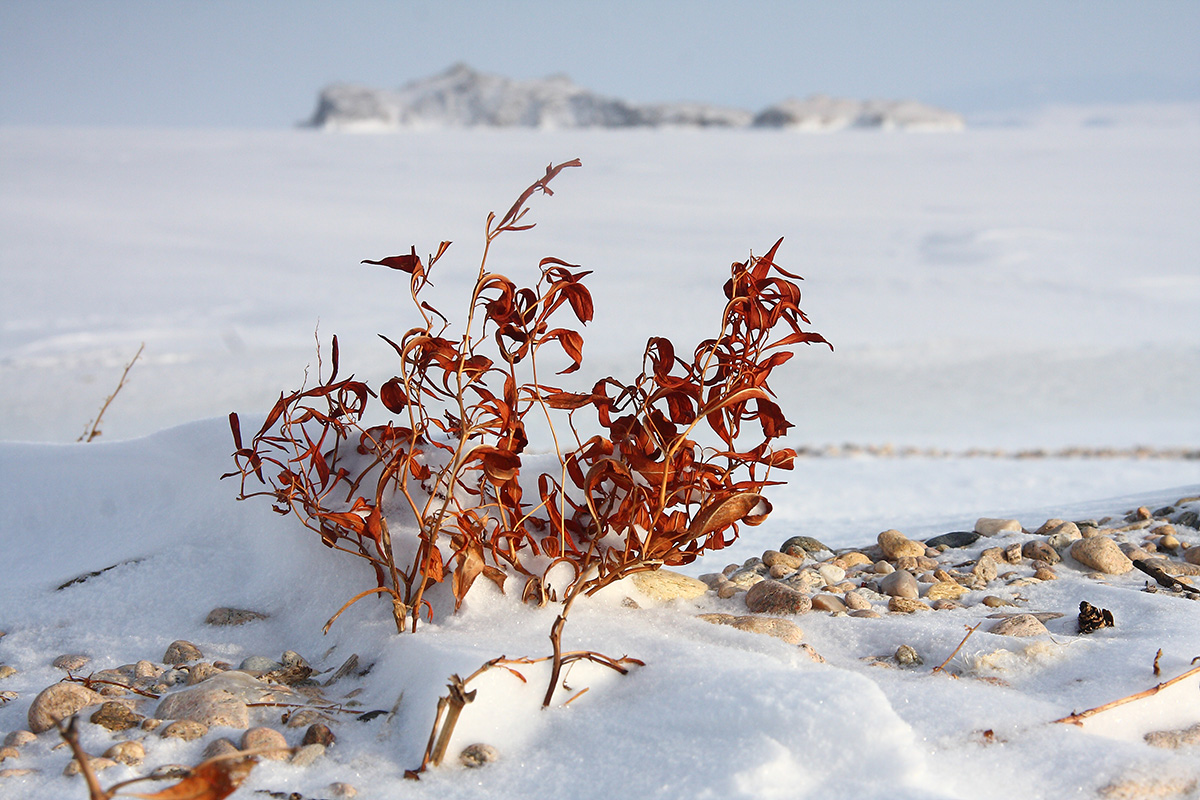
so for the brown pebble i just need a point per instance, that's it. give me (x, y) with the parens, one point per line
(865, 613)
(9, 752)
(116, 716)
(185, 729)
(1045, 574)
(904, 605)
(130, 753)
(991, 601)
(220, 747)
(180, 652)
(318, 733)
(269, 741)
(71, 662)
(97, 765)
(19, 738)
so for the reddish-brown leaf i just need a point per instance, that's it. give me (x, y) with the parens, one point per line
(410, 263)
(722, 513)
(214, 779)
(470, 565)
(392, 395)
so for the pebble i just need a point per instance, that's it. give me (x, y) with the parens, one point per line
(1174, 739)
(945, 590)
(807, 544)
(1013, 554)
(985, 569)
(850, 560)
(831, 574)
(828, 602)
(856, 601)
(1173, 567)
(97, 765)
(6, 671)
(773, 597)
(9, 752)
(269, 740)
(71, 662)
(1192, 555)
(774, 558)
(991, 601)
(186, 729)
(865, 613)
(883, 568)
(1019, 625)
(1101, 554)
(130, 753)
(308, 754)
(478, 755)
(201, 672)
(318, 733)
(213, 707)
(180, 652)
(728, 590)
(1045, 574)
(340, 789)
(220, 747)
(663, 585)
(952, 540)
(900, 583)
(987, 526)
(895, 544)
(1168, 542)
(233, 616)
(906, 656)
(746, 578)
(19, 738)
(905, 605)
(1038, 550)
(58, 702)
(261, 664)
(116, 717)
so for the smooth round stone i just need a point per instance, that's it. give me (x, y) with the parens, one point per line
(146, 670)
(728, 590)
(804, 581)
(1020, 625)
(269, 740)
(772, 597)
(850, 560)
(865, 613)
(478, 755)
(856, 601)
(1192, 555)
(308, 755)
(1101, 554)
(906, 656)
(1049, 526)
(664, 585)
(773, 558)
(6, 671)
(806, 543)
(952, 540)
(988, 526)
(946, 605)
(263, 664)
(827, 602)
(831, 574)
(220, 747)
(991, 601)
(900, 583)
(201, 672)
(779, 571)
(291, 658)
(318, 733)
(883, 568)
(712, 579)
(1168, 542)
(180, 652)
(1038, 550)
(186, 729)
(58, 702)
(1045, 574)
(130, 753)
(7, 753)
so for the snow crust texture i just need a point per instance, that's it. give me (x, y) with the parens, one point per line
(463, 97)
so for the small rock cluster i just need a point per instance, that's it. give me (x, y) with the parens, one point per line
(185, 696)
(898, 575)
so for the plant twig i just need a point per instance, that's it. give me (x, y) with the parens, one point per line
(1077, 719)
(71, 736)
(92, 429)
(942, 666)
(1157, 656)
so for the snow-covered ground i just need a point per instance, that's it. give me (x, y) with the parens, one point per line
(1015, 287)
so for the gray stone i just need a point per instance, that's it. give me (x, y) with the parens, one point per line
(233, 616)
(804, 543)
(900, 583)
(953, 539)
(58, 702)
(906, 656)
(1101, 554)
(259, 664)
(308, 755)
(772, 597)
(478, 755)
(746, 578)
(220, 700)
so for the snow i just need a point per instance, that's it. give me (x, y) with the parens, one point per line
(1029, 286)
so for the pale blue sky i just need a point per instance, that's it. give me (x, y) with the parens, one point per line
(241, 63)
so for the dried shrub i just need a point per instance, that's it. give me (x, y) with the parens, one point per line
(642, 493)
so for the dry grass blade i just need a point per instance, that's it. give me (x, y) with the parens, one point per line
(92, 429)
(1077, 719)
